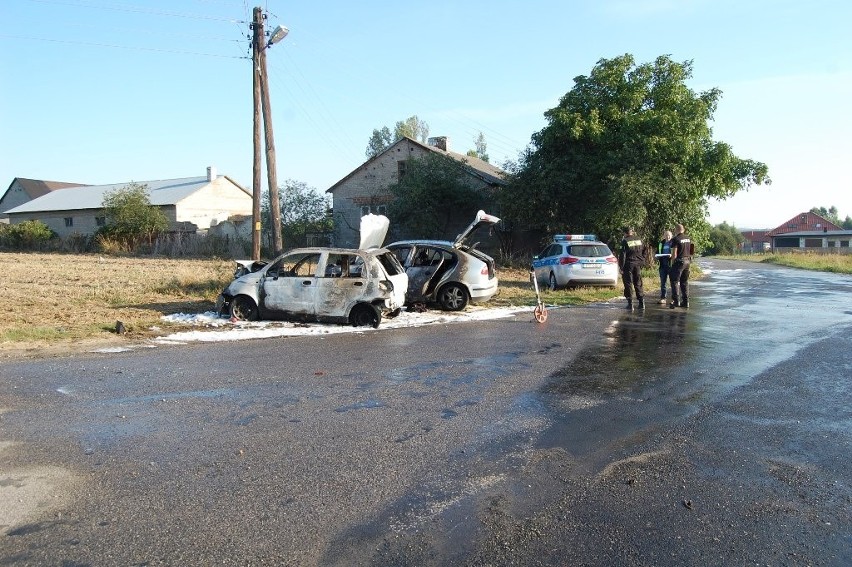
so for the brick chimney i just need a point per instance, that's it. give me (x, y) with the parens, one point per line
(211, 173)
(440, 142)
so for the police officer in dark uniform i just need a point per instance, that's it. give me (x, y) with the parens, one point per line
(682, 250)
(631, 258)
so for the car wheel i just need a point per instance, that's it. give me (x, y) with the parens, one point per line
(363, 315)
(243, 308)
(453, 297)
(551, 284)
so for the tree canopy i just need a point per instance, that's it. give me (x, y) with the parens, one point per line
(833, 215)
(303, 211)
(430, 195)
(724, 239)
(481, 150)
(411, 127)
(628, 145)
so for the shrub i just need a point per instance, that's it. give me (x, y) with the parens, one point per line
(28, 235)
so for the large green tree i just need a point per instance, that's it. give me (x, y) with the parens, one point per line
(131, 219)
(303, 210)
(627, 145)
(724, 239)
(411, 127)
(432, 193)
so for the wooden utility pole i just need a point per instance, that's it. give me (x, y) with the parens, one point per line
(260, 81)
(271, 170)
(258, 44)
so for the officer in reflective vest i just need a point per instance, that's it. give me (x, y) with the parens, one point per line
(682, 250)
(631, 257)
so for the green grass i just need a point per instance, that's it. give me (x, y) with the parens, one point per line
(837, 263)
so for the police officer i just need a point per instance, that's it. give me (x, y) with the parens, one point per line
(682, 250)
(664, 252)
(631, 257)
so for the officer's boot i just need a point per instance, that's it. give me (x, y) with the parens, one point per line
(674, 302)
(684, 302)
(641, 303)
(629, 304)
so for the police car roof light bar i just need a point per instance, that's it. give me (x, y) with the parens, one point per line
(567, 237)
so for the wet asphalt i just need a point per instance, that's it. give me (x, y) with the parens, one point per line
(716, 435)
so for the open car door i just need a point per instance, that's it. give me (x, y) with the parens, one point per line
(425, 263)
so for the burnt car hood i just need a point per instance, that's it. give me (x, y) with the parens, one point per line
(374, 229)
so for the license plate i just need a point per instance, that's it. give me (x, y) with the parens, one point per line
(591, 266)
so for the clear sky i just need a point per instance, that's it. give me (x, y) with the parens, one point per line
(112, 91)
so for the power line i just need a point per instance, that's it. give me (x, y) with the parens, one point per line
(138, 10)
(113, 46)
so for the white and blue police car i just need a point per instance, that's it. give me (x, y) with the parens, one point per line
(575, 260)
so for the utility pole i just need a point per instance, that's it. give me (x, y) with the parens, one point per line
(258, 44)
(260, 81)
(271, 170)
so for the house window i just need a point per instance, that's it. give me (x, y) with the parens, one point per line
(100, 221)
(400, 168)
(375, 209)
(69, 221)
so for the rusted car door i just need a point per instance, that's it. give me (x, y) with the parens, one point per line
(290, 286)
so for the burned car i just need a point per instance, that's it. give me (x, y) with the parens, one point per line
(448, 273)
(321, 284)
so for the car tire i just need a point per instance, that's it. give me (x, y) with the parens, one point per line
(551, 283)
(243, 308)
(453, 297)
(364, 315)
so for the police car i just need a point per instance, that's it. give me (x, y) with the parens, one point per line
(575, 259)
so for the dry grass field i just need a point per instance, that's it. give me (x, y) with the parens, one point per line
(58, 302)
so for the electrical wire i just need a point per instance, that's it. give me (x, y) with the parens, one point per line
(113, 46)
(138, 10)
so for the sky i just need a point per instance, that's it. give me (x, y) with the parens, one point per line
(114, 91)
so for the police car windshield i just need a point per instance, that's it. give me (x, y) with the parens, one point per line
(589, 250)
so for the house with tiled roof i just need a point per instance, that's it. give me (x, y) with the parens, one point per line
(365, 189)
(809, 232)
(22, 190)
(755, 240)
(189, 204)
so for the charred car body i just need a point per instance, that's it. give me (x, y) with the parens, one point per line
(321, 284)
(448, 273)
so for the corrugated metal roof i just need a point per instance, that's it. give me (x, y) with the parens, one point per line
(163, 192)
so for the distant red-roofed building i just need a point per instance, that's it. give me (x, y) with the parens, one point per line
(809, 232)
(804, 222)
(755, 241)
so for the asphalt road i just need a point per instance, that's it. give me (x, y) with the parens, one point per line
(714, 436)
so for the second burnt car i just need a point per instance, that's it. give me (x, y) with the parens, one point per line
(449, 273)
(358, 286)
